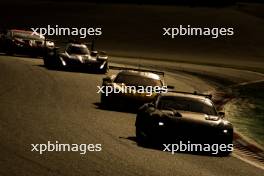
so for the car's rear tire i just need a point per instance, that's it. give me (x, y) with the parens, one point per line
(34, 55)
(10, 51)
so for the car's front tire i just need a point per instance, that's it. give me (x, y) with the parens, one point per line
(142, 138)
(104, 100)
(52, 62)
(47, 63)
(228, 140)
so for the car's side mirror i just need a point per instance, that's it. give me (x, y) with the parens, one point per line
(94, 53)
(151, 105)
(170, 87)
(102, 53)
(56, 48)
(221, 114)
(107, 79)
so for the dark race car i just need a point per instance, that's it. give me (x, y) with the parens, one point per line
(131, 88)
(77, 56)
(182, 116)
(24, 42)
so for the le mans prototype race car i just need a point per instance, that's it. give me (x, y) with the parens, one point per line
(182, 116)
(24, 42)
(77, 55)
(131, 87)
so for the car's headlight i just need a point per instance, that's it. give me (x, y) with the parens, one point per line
(18, 42)
(161, 123)
(49, 44)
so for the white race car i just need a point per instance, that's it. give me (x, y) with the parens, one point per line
(77, 56)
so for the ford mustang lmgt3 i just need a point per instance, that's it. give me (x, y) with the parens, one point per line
(131, 87)
(24, 42)
(182, 116)
(77, 55)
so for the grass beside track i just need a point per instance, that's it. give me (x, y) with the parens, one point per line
(246, 111)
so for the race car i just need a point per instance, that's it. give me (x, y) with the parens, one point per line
(16, 41)
(77, 55)
(182, 116)
(132, 87)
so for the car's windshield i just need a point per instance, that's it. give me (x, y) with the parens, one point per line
(25, 35)
(77, 50)
(134, 80)
(187, 104)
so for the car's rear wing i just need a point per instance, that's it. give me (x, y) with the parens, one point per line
(90, 45)
(210, 96)
(137, 69)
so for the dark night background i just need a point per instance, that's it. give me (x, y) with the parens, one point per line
(132, 28)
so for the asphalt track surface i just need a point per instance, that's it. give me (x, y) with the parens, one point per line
(38, 105)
